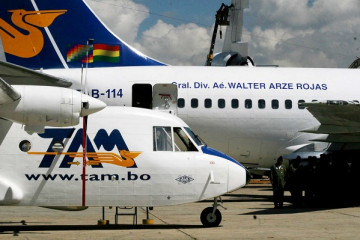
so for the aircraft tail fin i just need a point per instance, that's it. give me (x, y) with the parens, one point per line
(55, 34)
(233, 37)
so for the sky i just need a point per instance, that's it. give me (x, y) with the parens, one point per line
(302, 33)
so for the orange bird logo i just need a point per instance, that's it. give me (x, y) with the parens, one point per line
(30, 42)
(125, 159)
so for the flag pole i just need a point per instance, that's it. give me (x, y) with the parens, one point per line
(89, 42)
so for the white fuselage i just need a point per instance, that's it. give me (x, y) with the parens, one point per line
(254, 135)
(124, 166)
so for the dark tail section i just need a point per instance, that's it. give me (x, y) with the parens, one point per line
(54, 34)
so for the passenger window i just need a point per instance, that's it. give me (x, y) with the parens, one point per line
(288, 104)
(261, 103)
(275, 104)
(182, 141)
(194, 103)
(235, 103)
(181, 103)
(248, 103)
(207, 103)
(301, 104)
(162, 139)
(221, 103)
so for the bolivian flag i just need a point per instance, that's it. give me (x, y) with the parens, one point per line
(94, 53)
(79, 52)
(106, 53)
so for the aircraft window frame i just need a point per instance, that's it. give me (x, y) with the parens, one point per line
(182, 141)
(194, 137)
(221, 103)
(275, 104)
(288, 104)
(300, 104)
(25, 145)
(235, 103)
(208, 103)
(248, 103)
(194, 103)
(261, 104)
(181, 103)
(162, 139)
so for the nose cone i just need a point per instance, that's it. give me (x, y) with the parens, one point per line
(238, 176)
(90, 105)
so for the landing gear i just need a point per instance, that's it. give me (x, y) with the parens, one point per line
(211, 216)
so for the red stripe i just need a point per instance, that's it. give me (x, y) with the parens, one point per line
(106, 47)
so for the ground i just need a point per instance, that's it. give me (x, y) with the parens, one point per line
(249, 215)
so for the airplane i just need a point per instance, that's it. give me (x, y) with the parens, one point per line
(135, 157)
(253, 114)
(131, 156)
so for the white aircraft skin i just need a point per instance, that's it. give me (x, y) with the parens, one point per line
(157, 178)
(135, 157)
(254, 137)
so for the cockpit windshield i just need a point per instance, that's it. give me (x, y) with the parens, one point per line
(182, 141)
(194, 137)
(173, 139)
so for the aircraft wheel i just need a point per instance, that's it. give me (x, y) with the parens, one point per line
(208, 219)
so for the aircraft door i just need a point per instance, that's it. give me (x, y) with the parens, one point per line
(142, 96)
(165, 97)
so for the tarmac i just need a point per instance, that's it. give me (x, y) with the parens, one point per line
(249, 214)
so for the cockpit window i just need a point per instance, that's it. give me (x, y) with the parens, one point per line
(194, 137)
(182, 141)
(162, 139)
(173, 139)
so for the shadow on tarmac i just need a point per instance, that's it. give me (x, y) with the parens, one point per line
(285, 210)
(30, 228)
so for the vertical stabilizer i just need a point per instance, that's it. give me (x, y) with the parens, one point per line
(54, 34)
(232, 42)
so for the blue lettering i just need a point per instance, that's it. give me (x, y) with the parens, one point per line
(95, 93)
(132, 177)
(58, 135)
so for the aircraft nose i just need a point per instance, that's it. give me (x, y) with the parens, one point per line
(90, 105)
(238, 176)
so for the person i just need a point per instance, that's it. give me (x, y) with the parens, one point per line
(277, 178)
(294, 181)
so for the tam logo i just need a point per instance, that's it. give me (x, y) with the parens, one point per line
(125, 158)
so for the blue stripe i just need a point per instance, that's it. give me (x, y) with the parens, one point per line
(211, 151)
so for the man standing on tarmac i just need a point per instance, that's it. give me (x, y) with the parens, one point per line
(277, 178)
